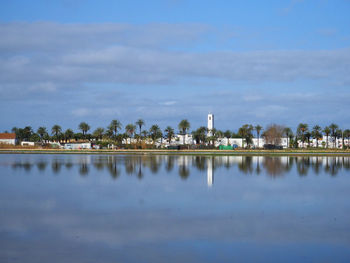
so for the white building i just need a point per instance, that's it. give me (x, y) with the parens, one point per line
(25, 143)
(77, 146)
(8, 138)
(210, 124)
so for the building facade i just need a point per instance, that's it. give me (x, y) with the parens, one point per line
(8, 138)
(210, 124)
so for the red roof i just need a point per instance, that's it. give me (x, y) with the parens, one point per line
(7, 135)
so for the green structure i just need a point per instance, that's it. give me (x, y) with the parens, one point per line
(224, 147)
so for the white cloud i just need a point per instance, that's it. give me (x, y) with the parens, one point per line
(168, 103)
(81, 112)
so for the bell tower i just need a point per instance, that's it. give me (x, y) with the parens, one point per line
(210, 124)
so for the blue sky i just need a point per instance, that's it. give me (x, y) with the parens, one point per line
(258, 62)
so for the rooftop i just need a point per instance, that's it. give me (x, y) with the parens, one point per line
(7, 135)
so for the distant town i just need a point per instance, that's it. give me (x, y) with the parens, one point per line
(135, 136)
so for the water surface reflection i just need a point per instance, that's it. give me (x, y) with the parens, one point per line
(159, 208)
(136, 165)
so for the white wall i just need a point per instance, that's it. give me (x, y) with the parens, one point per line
(8, 141)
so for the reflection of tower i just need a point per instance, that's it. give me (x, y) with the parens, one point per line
(210, 171)
(210, 124)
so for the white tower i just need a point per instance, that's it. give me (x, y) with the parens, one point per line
(210, 124)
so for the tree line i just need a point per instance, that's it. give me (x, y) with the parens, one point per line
(113, 133)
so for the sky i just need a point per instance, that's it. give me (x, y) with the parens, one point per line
(257, 62)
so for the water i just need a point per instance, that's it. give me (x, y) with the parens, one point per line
(111, 208)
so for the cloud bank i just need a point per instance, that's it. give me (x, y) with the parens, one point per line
(159, 64)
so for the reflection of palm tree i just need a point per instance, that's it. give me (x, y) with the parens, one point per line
(333, 167)
(41, 165)
(113, 170)
(227, 163)
(129, 166)
(303, 166)
(258, 169)
(27, 166)
(83, 169)
(154, 164)
(346, 163)
(184, 172)
(170, 163)
(290, 163)
(56, 166)
(316, 165)
(246, 165)
(69, 164)
(139, 173)
(99, 162)
(200, 163)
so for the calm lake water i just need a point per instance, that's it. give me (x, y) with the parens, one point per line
(114, 208)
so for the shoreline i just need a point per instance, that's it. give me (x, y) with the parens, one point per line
(183, 152)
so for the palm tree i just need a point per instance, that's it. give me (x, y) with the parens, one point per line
(228, 135)
(84, 127)
(316, 134)
(155, 133)
(98, 133)
(308, 137)
(288, 132)
(258, 129)
(333, 127)
(130, 130)
(200, 134)
(184, 125)
(42, 132)
(169, 133)
(114, 127)
(56, 130)
(327, 131)
(68, 134)
(346, 134)
(338, 135)
(220, 134)
(140, 123)
(301, 130)
(246, 133)
(144, 134)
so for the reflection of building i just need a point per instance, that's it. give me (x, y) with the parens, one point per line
(210, 171)
(210, 124)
